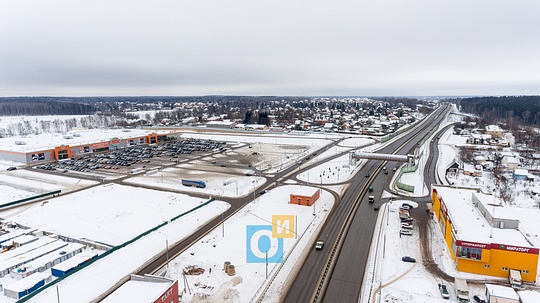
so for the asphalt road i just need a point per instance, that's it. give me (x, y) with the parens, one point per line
(348, 245)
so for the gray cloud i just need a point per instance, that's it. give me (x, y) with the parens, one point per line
(392, 47)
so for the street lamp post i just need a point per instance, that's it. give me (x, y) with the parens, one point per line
(167, 247)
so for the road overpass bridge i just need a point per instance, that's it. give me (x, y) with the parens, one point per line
(354, 156)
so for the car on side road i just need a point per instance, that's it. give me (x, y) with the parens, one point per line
(11, 168)
(479, 299)
(405, 232)
(370, 189)
(406, 225)
(406, 205)
(408, 259)
(264, 191)
(319, 244)
(444, 291)
(376, 207)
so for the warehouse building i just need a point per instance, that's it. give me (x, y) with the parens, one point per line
(50, 147)
(221, 124)
(26, 286)
(483, 236)
(75, 262)
(29, 256)
(47, 261)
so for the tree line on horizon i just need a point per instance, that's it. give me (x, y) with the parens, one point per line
(512, 111)
(22, 107)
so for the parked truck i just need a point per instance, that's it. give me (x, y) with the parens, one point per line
(462, 290)
(514, 277)
(195, 183)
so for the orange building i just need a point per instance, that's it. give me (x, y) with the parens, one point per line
(482, 236)
(305, 196)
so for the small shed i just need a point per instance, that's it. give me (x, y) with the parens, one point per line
(480, 159)
(452, 168)
(520, 174)
(305, 196)
(500, 294)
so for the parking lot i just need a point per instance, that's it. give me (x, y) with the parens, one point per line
(121, 160)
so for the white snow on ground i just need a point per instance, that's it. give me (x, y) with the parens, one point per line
(19, 184)
(129, 212)
(229, 243)
(90, 283)
(217, 185)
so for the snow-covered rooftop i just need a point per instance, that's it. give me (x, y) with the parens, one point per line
(471, 225)
(529, 296)
(48, 141)
(137, 291)
(501, 291)
(304, 191)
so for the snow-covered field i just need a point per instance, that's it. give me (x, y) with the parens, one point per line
(231, 242)
(110, 214)
(19, 184)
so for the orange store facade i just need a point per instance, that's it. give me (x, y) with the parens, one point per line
(491, 259)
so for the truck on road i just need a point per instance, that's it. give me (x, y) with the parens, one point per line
(462, 290)
(514, 277)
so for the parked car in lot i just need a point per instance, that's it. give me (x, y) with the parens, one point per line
(405, 232)
(479, 299)
(444, 291)
(11, 168)
(406, 205)
(406, 225)
(408, 259)
(319, 245)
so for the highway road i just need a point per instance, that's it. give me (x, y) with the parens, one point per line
(335, 273)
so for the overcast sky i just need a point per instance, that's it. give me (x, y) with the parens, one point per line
(251, 47)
